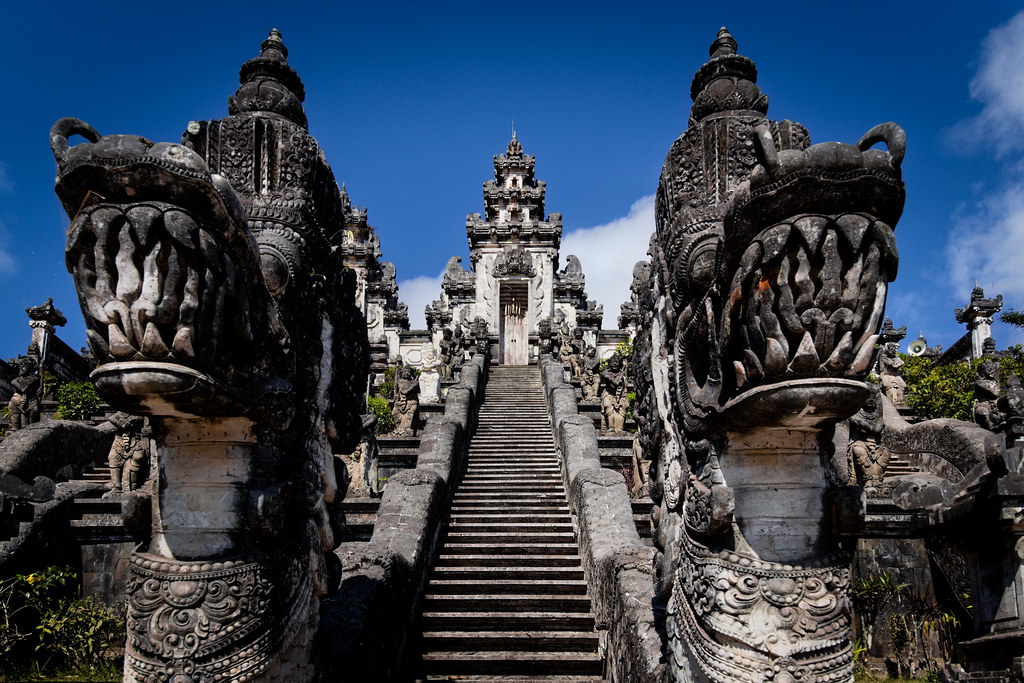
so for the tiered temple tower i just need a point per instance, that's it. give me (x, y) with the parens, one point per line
(514, 283)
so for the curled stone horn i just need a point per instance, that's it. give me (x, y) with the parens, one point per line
(63, 129)
(892, 135)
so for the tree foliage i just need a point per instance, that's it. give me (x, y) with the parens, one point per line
(77, 401)
(1012, 317)
(947, 390)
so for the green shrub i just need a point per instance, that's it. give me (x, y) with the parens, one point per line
(79, 632)
(77, 401)
(382, 408)
(47, 629)
(386, 389)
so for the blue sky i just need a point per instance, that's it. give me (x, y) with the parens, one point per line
(411, 100)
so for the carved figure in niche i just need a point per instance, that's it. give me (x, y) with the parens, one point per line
(23, 408)
(868, 457)
(590, 377)
(481, 342)
(407, 387)
(129, 452)
(430, 378)
(892, 381)
(545, 345)
(614, 398)
(986, 396)
(577, 352)
(1011, 406)
(362, 463)
(449, 351)
(565, 345)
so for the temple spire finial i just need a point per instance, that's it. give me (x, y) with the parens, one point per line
(270, 84)
(724, 44)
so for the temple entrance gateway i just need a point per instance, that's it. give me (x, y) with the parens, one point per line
(514, 343)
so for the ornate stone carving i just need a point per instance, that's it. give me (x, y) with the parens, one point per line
(986, 395)
(614, 396)
(890, 377)
(217, 303)
(758, 320)
(430, 375)
(514, 261)
(450, 353)
(867, 455)
(590, 377)
(406, 401)
(23, 408)
(458, 283)
(129, 454)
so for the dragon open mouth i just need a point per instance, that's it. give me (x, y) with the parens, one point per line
(150, 275)
(176, 308)
(808, 297)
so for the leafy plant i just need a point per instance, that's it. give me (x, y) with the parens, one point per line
(77, 401)
(947, 390)
(386, 389)
(870, 596)
(382, 408)
(79, 632)
(901, 640)
(47, 629)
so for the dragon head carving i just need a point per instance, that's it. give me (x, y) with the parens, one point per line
(777, 292)
(757, 324)
(178, 313)
(211, 278)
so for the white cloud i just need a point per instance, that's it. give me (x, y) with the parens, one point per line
(986, 243)
(608, 252)
(418, 292)
(999, 86)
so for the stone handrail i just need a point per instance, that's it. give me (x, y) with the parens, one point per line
(618, 566)
(365, 622)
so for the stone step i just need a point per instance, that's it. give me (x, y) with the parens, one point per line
(499, 602)
(361, 505)
(488, 539)
(506, 663)
(472, 507)
(516, 487)
(499, 529)
(509, 574)
(514, 549)
(497, 586)
(490, 517)
(84, 506)
(448, 559)
(434, 621)
(528, 641)
(483, 473)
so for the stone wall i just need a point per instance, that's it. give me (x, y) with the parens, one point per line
(365, 622)
(618, 566)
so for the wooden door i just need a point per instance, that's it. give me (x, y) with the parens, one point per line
(514, 339)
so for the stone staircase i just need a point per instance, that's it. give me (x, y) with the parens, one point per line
(507, 597)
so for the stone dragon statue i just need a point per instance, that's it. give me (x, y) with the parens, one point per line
(216, 301)
(759, 319)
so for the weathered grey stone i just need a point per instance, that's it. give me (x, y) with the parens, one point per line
(442, 442)
(60, 447)
(211, 278)
(758, 321)
(620, 569)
